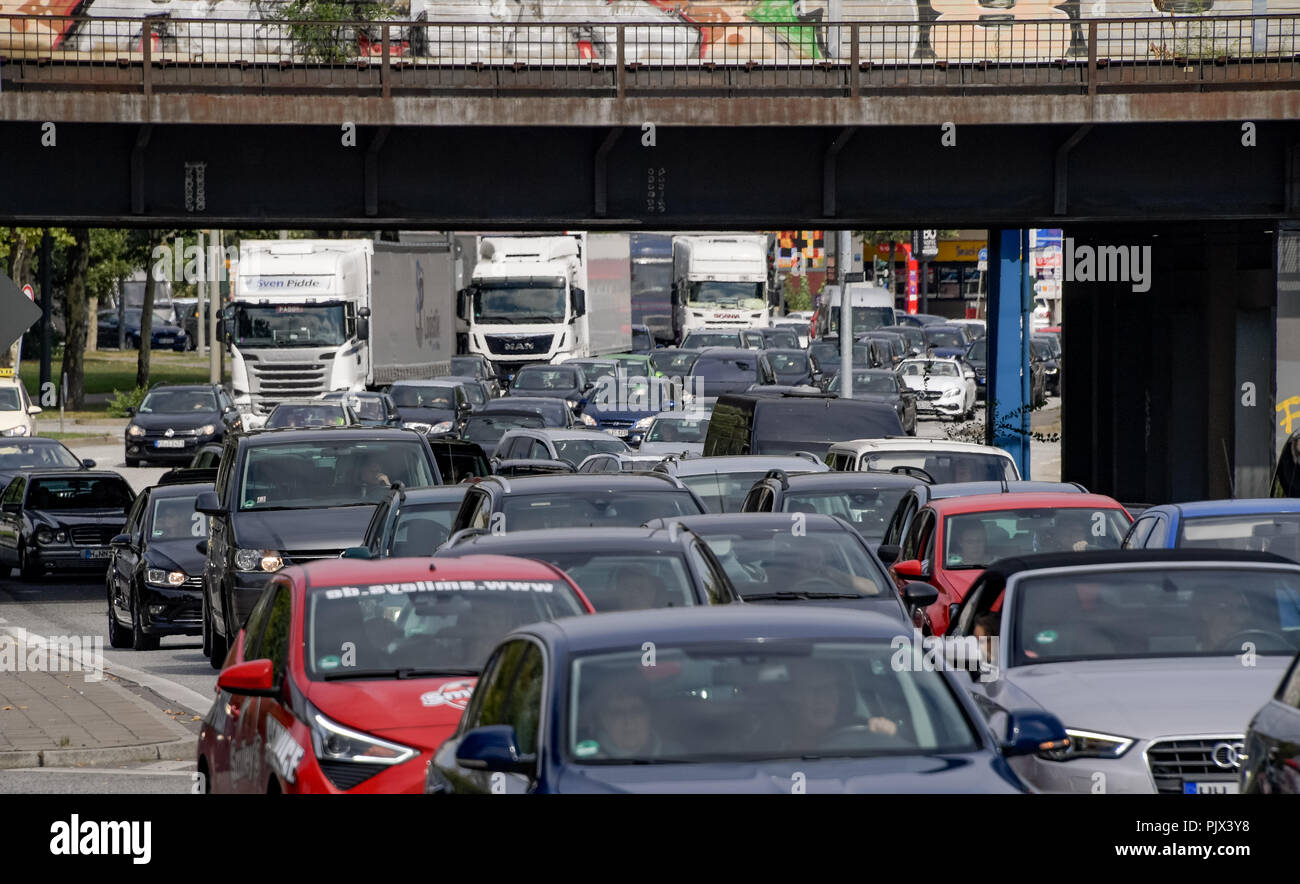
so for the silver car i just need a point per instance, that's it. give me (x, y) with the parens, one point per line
(1154, 663)
(675, 432)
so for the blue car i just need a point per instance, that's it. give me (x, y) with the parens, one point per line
(1267, 524)
(727, 699)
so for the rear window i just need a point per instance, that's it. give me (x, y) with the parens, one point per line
(612, 508)
(95, 492)
(785, 427)
(731, 368)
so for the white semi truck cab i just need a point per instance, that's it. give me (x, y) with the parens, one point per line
(526, 302)
(720, 282)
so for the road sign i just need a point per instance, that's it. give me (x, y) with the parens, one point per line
(29, 292)
(983, 260)
(17, 313)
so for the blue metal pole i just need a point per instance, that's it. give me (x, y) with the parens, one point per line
(1007, 415)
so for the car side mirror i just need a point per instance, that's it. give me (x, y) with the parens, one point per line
(919, 595)
(356, 552)
(913, 569)
(34, 409)
(130, 411)
(207, 504)
(120, 540)
(11, 507)
(87, 463)
(888, 552)
(493, 748)
(255, 678)
(1030, 731)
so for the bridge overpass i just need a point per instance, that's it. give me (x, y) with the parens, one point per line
(1180, 134)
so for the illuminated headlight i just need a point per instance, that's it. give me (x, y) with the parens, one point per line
(135, 431)
(416, 425)
(442, 427)
(207, 429)
(15, 431)
(332, 741)
(159, 577)
(1088, 744)
(1052, 370)
(258, 560)
(644, 423)
(588, 420)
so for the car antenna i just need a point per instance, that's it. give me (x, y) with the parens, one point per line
(1232, 485)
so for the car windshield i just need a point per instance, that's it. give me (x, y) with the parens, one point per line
(466, 365)
(370, 408)
(178, 402)
(827, 353)
(610, 507)
(412, 396)
(920, 369)
(1277, 533)
(723, 492)
(734, 701)
(456, 462)
(761, 561)
(784, 427)
(421, 528)
(864, 318)
(79, 493)
(174, 518)
(625, 581)
(788, 363)
(10, 400)
(424, 626)
(597, 371)
(532, 302)
(575, 451)
(781, 338)
(978, 351)
(700, 340)
(551, 411)
(310, 475)
(487, 429)
(306, 416)
(290, 325)
(1185, 612)
(671, 429)
(868, 509)
(884, 383)
(943, 337)
(945, 466)
(36, 454)
(553, 379)
(726, 368)
(746, 295)
(674, 363)
(972, 540)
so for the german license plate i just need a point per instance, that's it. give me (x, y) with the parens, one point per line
(169, 443)
(615, 432)
(1221, 788)
(96, 553)
(166, 340)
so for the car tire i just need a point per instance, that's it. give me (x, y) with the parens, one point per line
(133, 462)
(27, 570)
(118, 635)
(140, 641)
(219, 647)
(207, 627)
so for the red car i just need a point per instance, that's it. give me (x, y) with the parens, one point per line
(952, 539)
(349, 673)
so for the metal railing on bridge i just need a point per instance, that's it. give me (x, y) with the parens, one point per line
(163, 54)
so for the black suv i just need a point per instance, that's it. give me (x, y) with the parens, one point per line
(286, 497)
(866, 500)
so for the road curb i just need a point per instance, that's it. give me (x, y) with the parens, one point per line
(172, 750)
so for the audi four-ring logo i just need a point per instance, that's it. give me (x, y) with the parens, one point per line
(1228, 755)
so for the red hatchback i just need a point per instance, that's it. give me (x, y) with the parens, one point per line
(953, 539)
(348, 673)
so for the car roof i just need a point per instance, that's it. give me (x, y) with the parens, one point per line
(69, 474)
(507, 412)
(914, 443)
(850, 480)
(727, 352)
(1258, 506)
(698, 466)
(179, 489)
(628, 629)
(206, 388)
(561, 433)
(1005, 568)
(941, 490)
(538, 366)
(706, 522)
(313, 434)
(547, 539)
(434, 494)
(977, 503)
(430, 382)
(340, 572)
(582, 482)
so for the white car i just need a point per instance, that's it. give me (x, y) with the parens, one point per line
(798, 324)
(943, 460)
(943, 386)
(16, 409)
(676, 432)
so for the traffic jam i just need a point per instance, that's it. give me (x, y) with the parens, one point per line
(587, 554)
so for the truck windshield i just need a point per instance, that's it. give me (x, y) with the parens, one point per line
(747, 295)
(290, 325)
(534, 301)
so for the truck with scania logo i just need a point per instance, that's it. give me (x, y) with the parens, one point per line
(310, 316)
(720, 281)
(529, 300)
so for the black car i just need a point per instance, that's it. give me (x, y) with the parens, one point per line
(173, 422)
(566, 382)
(1043, 368)
(477, 366)
(285, 497)
(486, 430)
(882, 385)
(701, 339)
(32, 454)
(865, 500)
(313, 413)
(819, 560)
(164, 334)
(792, 367)
(825, 355)
(946, 340)
(605, 500)
(526, 466)
(890, 349)
(369, 409)
(434, 407)
(977, 355)
(721, 370)
(553, 412)
(1270, 758)
(61, 521)
(1051, 345)
(618, 569)
(410, 522)
(674, 362)
(476, 391)
(919, 320)
(459, 460)
(749, 424)
(155, 572)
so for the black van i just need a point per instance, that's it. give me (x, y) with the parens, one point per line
(754, 423)
(1286, 477)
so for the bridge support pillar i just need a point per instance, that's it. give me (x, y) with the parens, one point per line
(1007, 405)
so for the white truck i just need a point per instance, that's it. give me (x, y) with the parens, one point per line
(528, 300)
(720, 281)
(873, 307)
(310, 316)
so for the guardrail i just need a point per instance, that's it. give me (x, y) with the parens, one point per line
(599, 59)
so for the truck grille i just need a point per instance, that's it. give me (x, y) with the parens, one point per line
(275, 381)
(1172, 761)
(518, 345)
(91, 535)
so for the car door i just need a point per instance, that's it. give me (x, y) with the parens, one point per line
(272, 718)
(1273, 741)
(125, 560)
(1138, 533)
(11, 515)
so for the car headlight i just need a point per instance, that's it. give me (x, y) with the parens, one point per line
(572, 403)
(416, 425)
(135, 431)
(44, 535)
(207, 429)
(644, 423)
(258, 560)
(588, 420)
(159, 577)
(332, 741)
(442, 427)
(1052, 370)
(1088, 744)
(16, 431)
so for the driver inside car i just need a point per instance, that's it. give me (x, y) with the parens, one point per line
(818, 697)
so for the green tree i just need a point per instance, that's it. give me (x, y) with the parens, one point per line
(76, 316)
(322, 30)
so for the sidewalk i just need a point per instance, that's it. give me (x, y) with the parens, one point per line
(59, 719)
(106, 426)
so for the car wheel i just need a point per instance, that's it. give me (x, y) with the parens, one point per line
(118, 635)
(27, 570)
(219, 647)
(207, 627)
(133, 462)
(140, 641)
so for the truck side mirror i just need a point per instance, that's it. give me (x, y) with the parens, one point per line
(579, 302)
(462, 300)
(363, 329)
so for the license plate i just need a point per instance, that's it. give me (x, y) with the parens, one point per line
(96, 553)
(169, 443)
(1224, 788)
(616, 432)
(165, 340)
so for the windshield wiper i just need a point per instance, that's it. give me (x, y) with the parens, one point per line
(788, 595)
(405, 672)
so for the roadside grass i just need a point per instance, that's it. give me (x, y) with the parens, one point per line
(108, 371)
